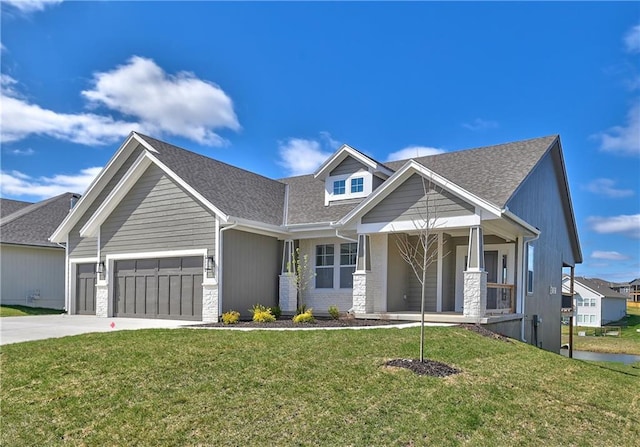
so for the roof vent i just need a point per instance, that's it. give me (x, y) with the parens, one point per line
(72, 202)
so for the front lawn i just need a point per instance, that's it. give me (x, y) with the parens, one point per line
(21, 311)
(217, 387)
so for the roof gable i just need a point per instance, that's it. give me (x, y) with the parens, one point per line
(346, 151)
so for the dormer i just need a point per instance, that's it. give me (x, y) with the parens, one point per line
(349, 174)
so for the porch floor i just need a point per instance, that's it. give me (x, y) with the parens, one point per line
(438, 317)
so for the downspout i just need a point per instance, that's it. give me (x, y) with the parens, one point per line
(220, 267)
(338, 235)
(523, 281)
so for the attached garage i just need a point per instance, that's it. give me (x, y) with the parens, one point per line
(86, 289)
(169, 288)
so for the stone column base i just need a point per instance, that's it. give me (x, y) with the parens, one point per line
(362, 296)
(210, 303)
(475, 294)
(102, 300)
(288, 293)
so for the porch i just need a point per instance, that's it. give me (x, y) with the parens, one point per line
(439, 317)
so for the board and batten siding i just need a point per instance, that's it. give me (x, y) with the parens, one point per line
(157, 215)
(32, 276)
(407, 202)
(251, 267)
(83, 247)
(348, 166)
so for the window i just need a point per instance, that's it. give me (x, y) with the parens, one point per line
(324, 266)
(530, 269)
(339, 187)
(357, 184)
(592, 319)
(592, 302)
(348, 253)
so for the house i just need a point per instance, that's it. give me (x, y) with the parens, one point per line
(629, 289)
(31, 267)
(595, 303)
(168, 233)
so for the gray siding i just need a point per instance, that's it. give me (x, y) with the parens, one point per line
(250, 271)
(407, 203)
(448, 274)
(348, 166)
(539, 202)
(377, 181)
(87, 247)
(156, 214)
(414, 289)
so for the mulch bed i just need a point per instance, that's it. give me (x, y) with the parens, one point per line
(425, 368)
(286, 322)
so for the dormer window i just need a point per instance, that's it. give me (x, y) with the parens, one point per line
(339, 187)
(357, 185)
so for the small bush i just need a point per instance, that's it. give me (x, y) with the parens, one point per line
(334, 312)
(275, 310)
(231, 317)
(305, 317)
(262, 314)
(301, 309)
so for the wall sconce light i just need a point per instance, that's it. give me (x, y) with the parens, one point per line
(100, 268)
(209, 264)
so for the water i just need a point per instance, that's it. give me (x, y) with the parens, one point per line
(627, 359)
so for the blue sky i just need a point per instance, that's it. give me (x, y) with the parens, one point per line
(276, 87)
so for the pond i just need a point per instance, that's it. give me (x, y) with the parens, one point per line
(627, 359)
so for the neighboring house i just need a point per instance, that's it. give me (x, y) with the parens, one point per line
(31, 267)
(629, 289)
(174, 234)
(594, 302)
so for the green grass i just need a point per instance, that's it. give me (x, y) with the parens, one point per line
(203, 387)
(21, 311)
(627, 343)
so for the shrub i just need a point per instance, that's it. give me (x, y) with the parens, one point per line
(305, 317)
(275, 310)
(262, 314)
(231, 317)
(334, 312)
(301, 309)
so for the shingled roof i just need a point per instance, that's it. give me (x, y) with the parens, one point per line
(235, 191)
(8, 206)
(33, 224)
(492, 173)
(600, 286)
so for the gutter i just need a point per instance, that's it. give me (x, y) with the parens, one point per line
(345, 237)
(219, 263)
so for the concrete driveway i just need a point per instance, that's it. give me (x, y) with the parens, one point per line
(40, 327)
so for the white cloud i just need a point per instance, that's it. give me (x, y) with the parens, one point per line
(609, 255)
(299, 156)
(27, 151)
(413, 152)
(16, 183)
(153, 101)
(632, 40)
(28, 6)
(178, 104)
(626, 225)
(606, 187)
(480, 124)
(623, 140)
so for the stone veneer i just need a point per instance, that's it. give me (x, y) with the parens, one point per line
(102, 300)
(210, 304)
(362, 293)
(288, 300)
(475, 294)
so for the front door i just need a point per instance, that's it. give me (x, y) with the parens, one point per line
(491, 267)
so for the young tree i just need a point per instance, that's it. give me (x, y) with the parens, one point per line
(302, 273)
(419, 249)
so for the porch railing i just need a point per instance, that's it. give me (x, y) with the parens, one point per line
(500, 298)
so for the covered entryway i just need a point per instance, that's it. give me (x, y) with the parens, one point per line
(169, 288)
(86, 289)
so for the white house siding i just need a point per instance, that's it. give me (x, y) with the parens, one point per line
(613, 309)
(32, 276)
(539, 202)
(321, 299)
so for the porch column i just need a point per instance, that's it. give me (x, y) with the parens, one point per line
(102, 290)
(288, 291)
(475, 277)
(210, 302)
(362, 278)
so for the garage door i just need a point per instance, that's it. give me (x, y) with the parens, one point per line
(86, 289)
(159, 288)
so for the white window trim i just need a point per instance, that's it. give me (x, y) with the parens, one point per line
(529, 246)
(336, 265)
(367, 186)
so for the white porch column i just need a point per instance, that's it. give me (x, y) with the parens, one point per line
(362, 278)
(475, 277)
(210, 303)
(288, 291)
